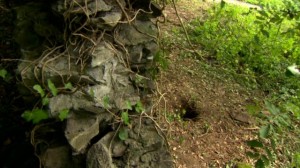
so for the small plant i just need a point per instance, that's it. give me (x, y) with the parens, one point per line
(35, 115)
(38, 114)
(123, 131)
(3, 73)
(6, 76)
(264, 148)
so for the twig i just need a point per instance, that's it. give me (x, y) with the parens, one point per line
(185, 31)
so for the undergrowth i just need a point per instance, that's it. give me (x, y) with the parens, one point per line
(258, 46)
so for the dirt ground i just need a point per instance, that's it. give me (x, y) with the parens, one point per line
(213, 124)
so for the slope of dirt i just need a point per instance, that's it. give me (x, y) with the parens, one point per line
(203, 111)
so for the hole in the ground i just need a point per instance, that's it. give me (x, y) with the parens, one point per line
(189, 109)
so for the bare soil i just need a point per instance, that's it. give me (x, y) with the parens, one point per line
(203, 112)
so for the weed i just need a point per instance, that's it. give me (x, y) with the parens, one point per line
(38, 114)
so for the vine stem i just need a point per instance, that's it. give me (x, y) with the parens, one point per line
(185, 31)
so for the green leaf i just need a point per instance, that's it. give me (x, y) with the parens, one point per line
(36, 115)
(260, 18)
(265, 160)
(264, 131)
(291, 107)
(256, 39)
(254, 144)
(161, 60)
(69, 86)
(129, 106)
(125, 117)
(223, 3)
(123, 134)
(39, 89)
(52, 87)
(265, 33)
(139, 107)
(3, 73)
(106, 102)
(253, 155)
(259, 164)
(45, 101)
(283, 121)
(273, 144)
(63, 114)
(296, 160)
(269, 153)
(272, 108)
(263, 13)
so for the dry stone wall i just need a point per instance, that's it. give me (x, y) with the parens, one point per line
(105, 49)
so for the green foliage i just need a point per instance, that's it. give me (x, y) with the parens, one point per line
(39, 114)
(106, 102)
(125, 118)
(128, 104)
(160, 59)
(123, 134)
(35, 116)
(40, 90)
(294, 109)
(296, 160)
(63, 114)
(244, 41)
(3, 73)
(243, 165)
(52, 87)
(68, 86)
(275, 125)
(265, 2)
(262, 46)
(139, 107)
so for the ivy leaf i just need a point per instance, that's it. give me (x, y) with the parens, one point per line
(264, 131)
(254, 144)
(63, 114)
(69, 86)
(3, 73)
(52, 87)
(129, 106)
(39, 89)
(139, 107)
(45, 101)
(125, 117)
(35, 116)
(123, 134)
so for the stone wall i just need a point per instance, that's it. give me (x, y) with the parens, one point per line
(105, 49)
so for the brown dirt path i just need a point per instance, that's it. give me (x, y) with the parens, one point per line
(213, 124)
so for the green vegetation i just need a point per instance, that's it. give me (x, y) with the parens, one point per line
(38, 114)
(126, 118)
(262, 48)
